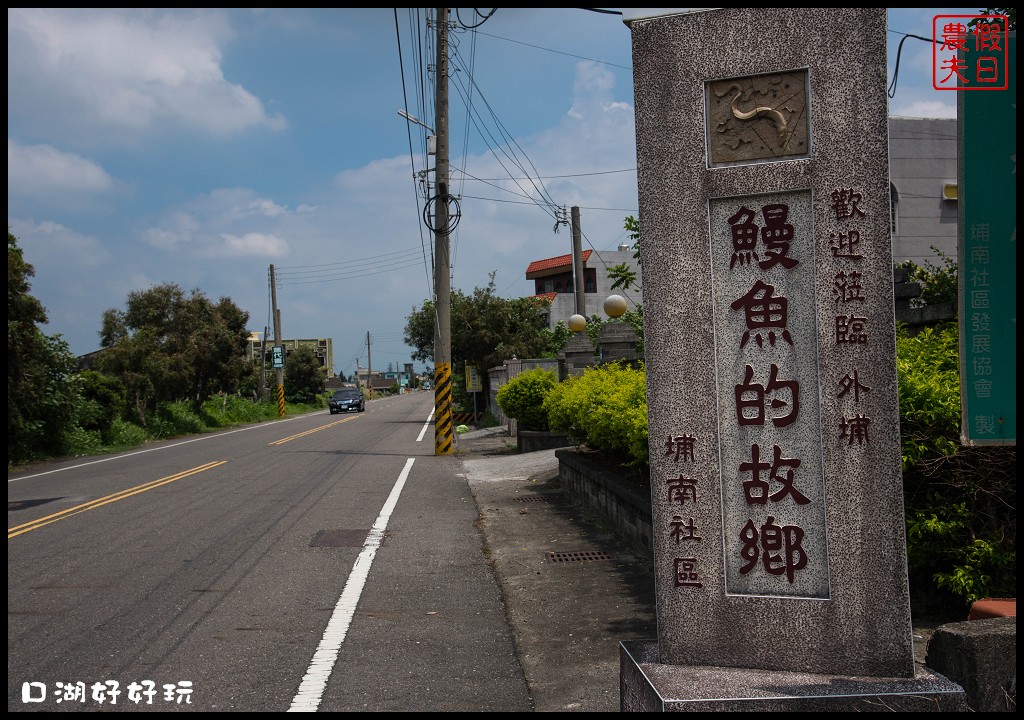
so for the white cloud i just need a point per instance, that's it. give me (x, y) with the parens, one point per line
(250, 245)
(50, 240)
(925, 109)
(230, 222)
(177, 231)
(233, 204)
(73, 272)
(269, 208)
(129, 70)
(45, 170)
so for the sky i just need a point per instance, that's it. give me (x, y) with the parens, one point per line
(200, 147)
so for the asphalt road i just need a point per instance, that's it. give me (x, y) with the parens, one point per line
(320, 563)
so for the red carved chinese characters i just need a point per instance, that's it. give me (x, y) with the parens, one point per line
(767, 403)
(682, 491)
(848, 290)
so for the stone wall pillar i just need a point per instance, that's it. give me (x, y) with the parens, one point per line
(617, 340)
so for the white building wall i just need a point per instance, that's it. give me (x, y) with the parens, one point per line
(922, 158)
(564, 304)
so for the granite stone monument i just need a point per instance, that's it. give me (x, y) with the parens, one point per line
(779, 533)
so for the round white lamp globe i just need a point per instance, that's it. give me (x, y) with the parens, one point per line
(577, 323)
(615, 306)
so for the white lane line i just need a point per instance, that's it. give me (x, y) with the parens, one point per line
(425, 426)
(311, 691)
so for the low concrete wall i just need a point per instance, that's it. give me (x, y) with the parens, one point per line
(622, 502)
(533, 440)
(978, 655)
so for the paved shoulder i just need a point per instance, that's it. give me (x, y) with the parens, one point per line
(572, 590)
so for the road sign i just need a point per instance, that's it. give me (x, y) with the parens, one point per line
(473, 383)
(277, 356)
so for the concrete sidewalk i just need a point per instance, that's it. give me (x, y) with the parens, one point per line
(573, 590)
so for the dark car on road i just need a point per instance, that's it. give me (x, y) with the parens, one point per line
(346, 399)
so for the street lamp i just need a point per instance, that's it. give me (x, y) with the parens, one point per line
(615, 306)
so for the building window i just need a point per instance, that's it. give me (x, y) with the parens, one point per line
(549, 286)
(894, 202)
(591, 286)
(558, 286)
(568, 286)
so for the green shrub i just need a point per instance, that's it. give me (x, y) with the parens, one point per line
(102, 401)
(938, 284)
(488, 420)
(84, 442)
(605, 408)
(960, 501)
(928, 371)
(175, 419)
(124, 434)
(522, 398)
(224, 410)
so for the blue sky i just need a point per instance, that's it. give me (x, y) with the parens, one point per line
(201, 146)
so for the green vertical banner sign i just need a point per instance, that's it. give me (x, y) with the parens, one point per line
(987, 253)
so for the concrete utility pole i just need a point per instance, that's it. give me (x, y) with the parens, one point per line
(443, 430)
(277, 341)
(369, 366)
(263, 364)
(577, 263)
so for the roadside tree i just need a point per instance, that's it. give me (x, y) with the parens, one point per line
(486, 330)
(304, 377)
(42, 394)
(167, 346)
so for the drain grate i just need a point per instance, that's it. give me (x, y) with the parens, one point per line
(534, 498)
(584, 556)
(339, 538)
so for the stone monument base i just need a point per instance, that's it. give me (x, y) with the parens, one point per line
(645, 685)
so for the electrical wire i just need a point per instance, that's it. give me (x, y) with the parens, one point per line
(484, 19)
(896, 70)
(545, 201)
(428, 262)
(454, 217)
(606, 268)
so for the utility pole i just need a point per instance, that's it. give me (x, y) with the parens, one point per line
(263, 364)
(443, 430)
(369, 366)
(277, 341)
(577, 262)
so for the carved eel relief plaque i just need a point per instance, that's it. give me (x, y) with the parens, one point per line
(758, 118)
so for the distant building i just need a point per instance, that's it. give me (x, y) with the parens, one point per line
(378, 380)
(923, 188)
(323, 349)
(554, 281)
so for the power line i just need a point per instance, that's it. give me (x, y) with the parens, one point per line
(558, 52)
(426, 256)
(554, 177)
(346, 263)
(350, 275)
(507, 142)
(516, 202)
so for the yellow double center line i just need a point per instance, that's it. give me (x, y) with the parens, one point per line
(282, 441)
(98, 502)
